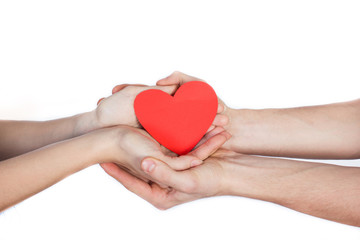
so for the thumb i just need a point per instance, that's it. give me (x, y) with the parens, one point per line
(170, 89)
(159, 171)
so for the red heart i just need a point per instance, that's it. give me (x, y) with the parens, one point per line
(177, 122)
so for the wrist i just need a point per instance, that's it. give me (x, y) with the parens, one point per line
(240, 121)
(107, 143)
(85, 123)
(247, 177)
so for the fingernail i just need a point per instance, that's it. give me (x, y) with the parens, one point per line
(148, 165)
(195, 163)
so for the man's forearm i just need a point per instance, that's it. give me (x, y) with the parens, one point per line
(18, 137)
(329, 131)
(326, 191)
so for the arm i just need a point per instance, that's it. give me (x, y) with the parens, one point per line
(30, 173)
(322, 190)
(329, 131)
(18, 137)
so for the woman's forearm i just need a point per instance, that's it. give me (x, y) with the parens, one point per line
(28, 174)
(329, 131)
(18, 137)
(326, 191)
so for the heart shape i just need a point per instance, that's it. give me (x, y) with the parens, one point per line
(177, 122)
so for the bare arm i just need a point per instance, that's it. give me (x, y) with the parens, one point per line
(322, 190)
(329, 131)
(18, 137)
(30, 173)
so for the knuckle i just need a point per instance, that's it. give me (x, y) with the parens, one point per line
(163, 177)
(176, 73)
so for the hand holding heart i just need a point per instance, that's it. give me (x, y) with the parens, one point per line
(128, 146)
(136, 144)
(118, 109)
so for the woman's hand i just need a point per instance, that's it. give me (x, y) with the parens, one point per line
(118, 109)
(129, 146)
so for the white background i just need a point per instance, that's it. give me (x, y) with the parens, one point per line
(57, 58)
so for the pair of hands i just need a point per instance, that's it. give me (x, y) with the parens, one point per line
(148, 169)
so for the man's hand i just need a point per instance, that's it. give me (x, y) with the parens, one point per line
(208, 179)
(131, 145)
(322, 190)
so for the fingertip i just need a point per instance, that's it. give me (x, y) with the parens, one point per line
(210, 128)
(220, 108)
(118, 88)
(196, 162)
(100, 101)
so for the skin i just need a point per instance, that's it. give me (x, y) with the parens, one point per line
(318, 132)
(56, 149)
(18, 137)
(327, 191)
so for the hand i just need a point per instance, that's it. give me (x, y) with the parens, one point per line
(209, 179)
(132, 145)
(225, 114)
(118, 109)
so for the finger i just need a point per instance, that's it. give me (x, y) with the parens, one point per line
(209, 135)
(198, 155)
(210, 128)
(118, 88)
(220, 108)
(130, 182)
(161, 172)
(220, 120)
(171, 89)
(177, 78)
(212, 144)
(100, 101)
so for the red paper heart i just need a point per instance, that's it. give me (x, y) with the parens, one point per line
(177, 122)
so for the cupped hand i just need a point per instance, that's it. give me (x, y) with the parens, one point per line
(208, 179)
(132, 145)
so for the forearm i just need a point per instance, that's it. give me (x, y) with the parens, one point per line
(329, 131)
(326, 191)
(28, 174)
(18, 137)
